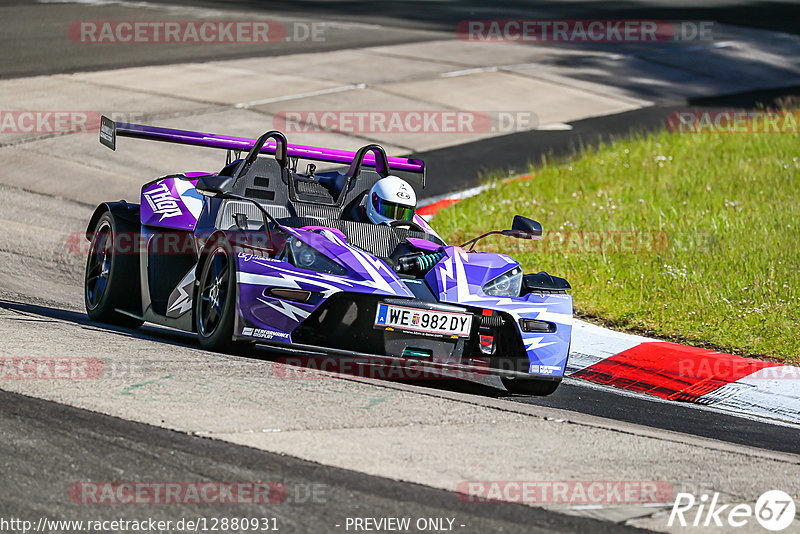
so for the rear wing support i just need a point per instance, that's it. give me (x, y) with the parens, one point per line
(110, 130)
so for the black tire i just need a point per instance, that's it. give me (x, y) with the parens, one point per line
(111, 278)
(215, 300)
(527, 386)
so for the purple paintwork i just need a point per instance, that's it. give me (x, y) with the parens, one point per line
(367, 275)
(474, 269)
(459, 278)
(186, 137)
(423, 244)
(270, 314)
(424, 224)
(171, 203)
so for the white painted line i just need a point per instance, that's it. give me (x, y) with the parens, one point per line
(199, 12)
(467, 72)
(555, 127)
(466, 193)
(352, 25)
(298, 96)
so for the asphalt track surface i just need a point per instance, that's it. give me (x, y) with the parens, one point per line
(64, 445)
(33, 41)
(45, 445)
(572, 395)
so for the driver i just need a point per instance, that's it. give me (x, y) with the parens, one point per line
(391, 199)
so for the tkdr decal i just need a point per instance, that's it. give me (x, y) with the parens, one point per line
(162, 202)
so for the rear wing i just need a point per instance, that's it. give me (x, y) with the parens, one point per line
(110, 130)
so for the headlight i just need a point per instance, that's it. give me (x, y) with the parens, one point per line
(306, 257)
(505, 285)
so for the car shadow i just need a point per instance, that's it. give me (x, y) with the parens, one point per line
(485, 386)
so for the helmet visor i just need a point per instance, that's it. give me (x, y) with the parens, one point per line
(392, 210)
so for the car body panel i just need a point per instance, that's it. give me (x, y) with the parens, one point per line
(459, 277)
(171, 202)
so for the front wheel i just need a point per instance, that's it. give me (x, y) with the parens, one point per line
(525, 384)
(528, 386)
(215, 300)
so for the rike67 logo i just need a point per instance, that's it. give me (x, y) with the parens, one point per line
(774, 510)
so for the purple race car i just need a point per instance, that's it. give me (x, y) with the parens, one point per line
(259, 253)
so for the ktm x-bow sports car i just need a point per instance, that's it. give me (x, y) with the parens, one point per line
(260, 253)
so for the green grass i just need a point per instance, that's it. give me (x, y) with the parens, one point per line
(689, 237)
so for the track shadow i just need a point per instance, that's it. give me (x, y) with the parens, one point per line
(148, 332)
(481, 386)
(599, 402)
(717, 68)
(435, 14)
(762, 98)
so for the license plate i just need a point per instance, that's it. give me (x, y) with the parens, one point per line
(425, 322)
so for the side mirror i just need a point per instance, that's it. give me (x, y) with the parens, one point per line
(212, 186)
(521, 228)
(525, 228)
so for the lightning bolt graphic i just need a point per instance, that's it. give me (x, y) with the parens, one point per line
(292, 312)
(446, 270)
(285, 280)
(535, 343)
(183, 302)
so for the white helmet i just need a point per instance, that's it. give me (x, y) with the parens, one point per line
(391, 199)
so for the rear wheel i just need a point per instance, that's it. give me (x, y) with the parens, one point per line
(111, 278)
(215, 301)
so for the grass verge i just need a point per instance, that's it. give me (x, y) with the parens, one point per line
(693, 237)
